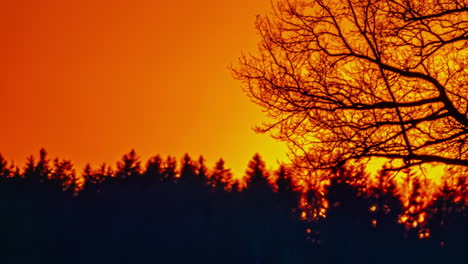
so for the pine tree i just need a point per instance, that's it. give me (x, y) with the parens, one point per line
(170, 170)
(63, 175)
(129, 166)
(202, 171)
(220, 177)
(286, 191)
(257, 178)
(188, 171)
(154, 170)
(5, 171)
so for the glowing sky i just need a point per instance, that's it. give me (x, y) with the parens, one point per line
(90, 80)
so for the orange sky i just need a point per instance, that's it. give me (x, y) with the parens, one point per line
(89, 81)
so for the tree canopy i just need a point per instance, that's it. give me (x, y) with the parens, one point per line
(347, 80)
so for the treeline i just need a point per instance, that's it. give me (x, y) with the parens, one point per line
(182, 212)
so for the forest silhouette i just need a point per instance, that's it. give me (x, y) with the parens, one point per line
(170, 211)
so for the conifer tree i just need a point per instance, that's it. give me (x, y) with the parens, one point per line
(257, 178)
(129, 166)
(287, 193)
(220, 176)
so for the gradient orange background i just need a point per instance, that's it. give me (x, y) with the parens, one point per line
(90, 80)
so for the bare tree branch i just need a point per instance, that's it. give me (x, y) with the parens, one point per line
(357, 79)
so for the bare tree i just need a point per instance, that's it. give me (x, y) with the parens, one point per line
(353, 79)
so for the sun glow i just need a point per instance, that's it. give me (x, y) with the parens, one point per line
(417, 188)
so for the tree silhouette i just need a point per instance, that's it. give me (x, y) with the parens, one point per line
(190, 173)
(348, 215)
(202, 171)
(287, 193)
(257, 178)
(154, 170)
(131, 215)
(220, 176)
(129, 167)
(258, 209)
(448, 216)
(350, 79)
(88, 175)
(386, 206)
(63, 175)
(4, 171)
(37, 172)
(170, 169)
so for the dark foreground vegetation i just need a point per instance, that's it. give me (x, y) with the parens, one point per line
(182, 212)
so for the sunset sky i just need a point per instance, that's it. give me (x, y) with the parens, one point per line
(90, 80)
